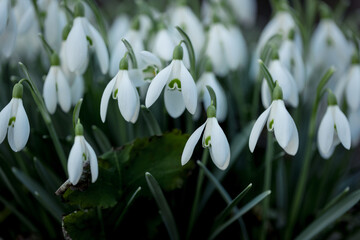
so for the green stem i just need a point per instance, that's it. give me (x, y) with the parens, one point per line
(45, 115)
(255, 101)
(267, 182)
(38, 15)
(200, 180)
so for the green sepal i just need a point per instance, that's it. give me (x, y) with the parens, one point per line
(178, 53)
(18, 91)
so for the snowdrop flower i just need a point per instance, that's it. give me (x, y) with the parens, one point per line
(134, 37)
(213, 138)
(81, 152)
(164, 43)
(118, 30)
(122, 89)
(8, 28)
(82, 35)
(54, 23)
(208, 78)
(180, 88)
(244, 10)
(349, 85)
(286, 81)
(184, 17)
(226, 48)
(14, 121)
(291, 57)
(56, 87)
(277, 119)
(334, 128)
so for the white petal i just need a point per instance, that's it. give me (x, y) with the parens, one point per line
(11, 140)
(326, 132)
(342, 127)
(190, 144)
(93, 162)
(174, 102)
(8, 37)
(75, 160)
(49, 90)
(21, 128)
(77, 89)
(235, 48)
(188, 89)
(100, 48)
(76, 47)
(157, 85)
(116, 56)
(128, 98)
(265, 94)
(136, 77)
(353, 88)
(105, 98)
(219, 146)
(63, 91)
(149, 58)
(257, 129)
(293, 144)
(163, 45)
(283, 127)
(5, 115)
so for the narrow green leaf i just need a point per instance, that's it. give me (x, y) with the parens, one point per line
(212, 94)
(190, 49)
(101, 139)
(49, 179)
(324, 80)
(267, 75)
(40, 194)
(330, 216)
(335, 200)
(241, 212)
(131, 52)
(165, 211)
(77, 112)
(21, 217)
(151, 121)
(132, 198)
(225, 213)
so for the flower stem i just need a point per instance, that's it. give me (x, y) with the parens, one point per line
(200, 180)
(45, 115)
(267, 182)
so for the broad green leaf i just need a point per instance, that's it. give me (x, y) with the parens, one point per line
(330, 216)
(164, 208)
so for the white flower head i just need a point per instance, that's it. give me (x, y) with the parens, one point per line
(334, 128)
(122, 88)
(56, 87)
(213, 138)
(277, 119)
(81, 152)
(286, 81)
(81, 35)
(14, 121)
(180, 89)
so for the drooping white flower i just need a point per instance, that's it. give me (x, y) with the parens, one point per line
(334, 128)
(245, 11)
(81, 152)
(82, 35)
(286, 81)
(226, 48)
(291, 57)
(56, 87)
(122, 88)
(164, 43)
(180, 89)
(14, 121)
(277, 119)
(213, 138)
(118, 30)
(208, 78)
(349, 85)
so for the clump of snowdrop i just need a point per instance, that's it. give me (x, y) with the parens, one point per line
(122, 89)
(213, 138)
(285, 80)
(277, 119)
(56, 87)
(14, 121)
(180, 89)
(208, 78)
(82, 36)
(334, 128)
(80, 153)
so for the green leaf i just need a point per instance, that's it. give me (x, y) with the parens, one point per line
(131, 52)
(40, 194)
(151, 121)
(48, 178)
(165, 211)
(267, 75)
(330, 216)
(241, 212)
(190, 49)
(82, 225)
(212, 94)
(101, 139)
(324, 80)
(77, 112)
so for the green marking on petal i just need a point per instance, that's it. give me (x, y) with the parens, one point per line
(11, 121)
(175, 84)
(271, 124)
(329, 41)
(207, 141)
(84, 157)
(115, 93)
(89, 40)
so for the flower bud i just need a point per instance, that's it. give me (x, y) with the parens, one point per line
(208, 66)
(55, 60)
(178, 53)
(79, 10)
(124, 65)
(331, 98)
(277, 93)
(79, 129)
(211, 111)
(17, 91)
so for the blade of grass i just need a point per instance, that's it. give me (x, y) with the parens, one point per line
(334, 200)
(49, 180)
(101, 139)
(132, 198)
(165, 211)
(151, 121)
